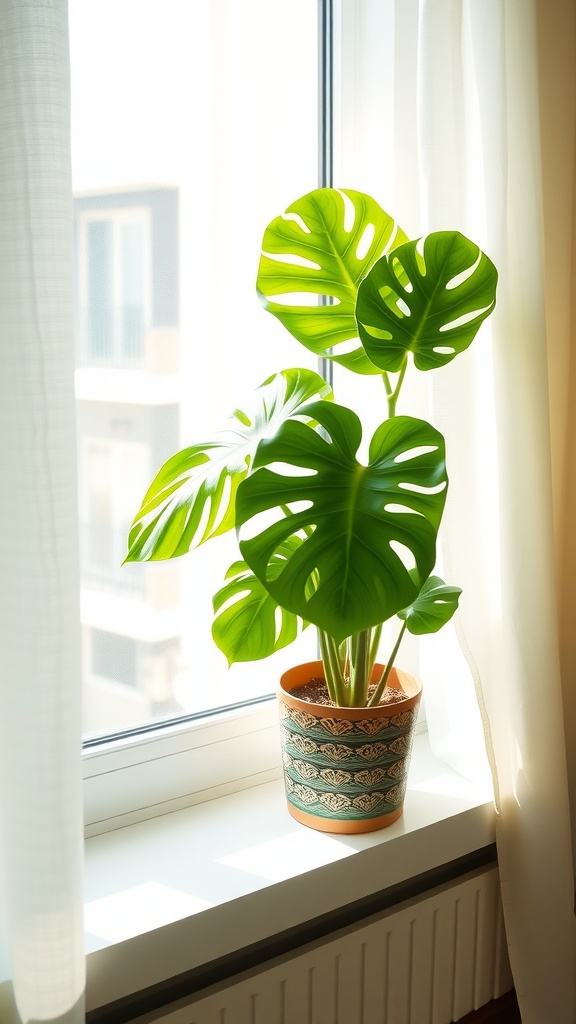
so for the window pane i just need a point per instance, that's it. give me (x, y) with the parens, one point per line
(202, 128)
(114, 657)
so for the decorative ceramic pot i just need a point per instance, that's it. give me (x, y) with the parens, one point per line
(345, 769)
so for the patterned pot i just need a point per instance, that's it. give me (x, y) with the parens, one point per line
(345, 769)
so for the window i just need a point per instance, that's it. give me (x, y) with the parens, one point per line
(170, 334)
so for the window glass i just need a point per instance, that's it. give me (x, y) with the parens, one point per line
(193, 124)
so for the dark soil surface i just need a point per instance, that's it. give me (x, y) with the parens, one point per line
(315, 691)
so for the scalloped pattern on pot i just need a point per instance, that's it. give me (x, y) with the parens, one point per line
(346, 770)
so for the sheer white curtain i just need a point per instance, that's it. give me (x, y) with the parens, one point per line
(40, 726)
(480, 162)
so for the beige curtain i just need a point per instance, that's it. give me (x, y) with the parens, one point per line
(485, 168)
(41, 950)
(557, 62)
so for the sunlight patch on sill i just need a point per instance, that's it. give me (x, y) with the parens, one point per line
(448, 785)
(140, 909)
(286, 856)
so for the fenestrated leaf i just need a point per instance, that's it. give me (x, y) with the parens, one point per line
(193, 496)
(428, 297)
(250, 625)
(371, 530)
(433, 608)
(324, 245)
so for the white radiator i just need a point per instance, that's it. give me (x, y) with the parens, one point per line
(430, 960)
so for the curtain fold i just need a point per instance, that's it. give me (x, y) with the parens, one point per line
(557, 61)
(481, 171)
(40, 692)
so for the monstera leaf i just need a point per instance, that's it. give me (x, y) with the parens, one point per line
(432, 609)
(324, 245)
(428, 297)
(368, 533)
(193, 496)
(248, 624)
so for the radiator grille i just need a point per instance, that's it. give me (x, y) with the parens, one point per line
(429, 961)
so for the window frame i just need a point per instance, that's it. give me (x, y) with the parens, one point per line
(167, 765)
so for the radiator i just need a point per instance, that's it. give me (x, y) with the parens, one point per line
(430, 960)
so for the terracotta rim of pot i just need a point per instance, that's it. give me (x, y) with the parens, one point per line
(299, 675)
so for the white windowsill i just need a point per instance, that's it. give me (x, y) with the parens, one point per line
(169, 894)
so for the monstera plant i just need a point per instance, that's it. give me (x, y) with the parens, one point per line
(325, 539)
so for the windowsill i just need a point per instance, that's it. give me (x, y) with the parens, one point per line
(170, 894)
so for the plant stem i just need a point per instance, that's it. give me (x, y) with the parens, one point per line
(393, 396)
(334, 676)
(387, 385)
(393, 393)
(344, 659)
(359, 676)
(374, 645)
(375, 698)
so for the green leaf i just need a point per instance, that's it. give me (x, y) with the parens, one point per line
(432, 609)
(250, 626)
(324, 245)
(193, 496)
(428, 297)
(363, 528)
